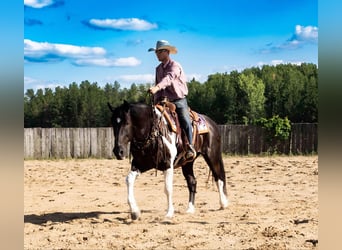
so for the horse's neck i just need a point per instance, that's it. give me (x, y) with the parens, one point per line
(141, 121)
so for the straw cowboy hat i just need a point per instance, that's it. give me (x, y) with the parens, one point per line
(163, 44)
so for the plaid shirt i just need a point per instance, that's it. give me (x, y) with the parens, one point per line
(171, 80)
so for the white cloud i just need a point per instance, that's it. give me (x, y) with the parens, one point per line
(197, 77)
(46, 50)
(150, 78)
(277, 61)
(38, 3)
(302, 36)
(78, 55)
(107, 62)
(29, 80)
(35, 84)
(123, 24)
(139, 78)
(306, 34)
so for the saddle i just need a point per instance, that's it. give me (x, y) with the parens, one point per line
(199, 124)
(168, 109)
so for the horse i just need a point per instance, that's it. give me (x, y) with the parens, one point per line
(141, 130)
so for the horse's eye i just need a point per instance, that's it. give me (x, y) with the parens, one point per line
(118, 120)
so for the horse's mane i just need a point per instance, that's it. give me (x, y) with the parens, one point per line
(141, 109)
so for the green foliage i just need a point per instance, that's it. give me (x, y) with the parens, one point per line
(285, 90)
(252, 90)
(276, 127)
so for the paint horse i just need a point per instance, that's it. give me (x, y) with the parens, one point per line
(143, 131)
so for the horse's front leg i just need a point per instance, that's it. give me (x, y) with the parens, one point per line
(168, 175)
(130, 179)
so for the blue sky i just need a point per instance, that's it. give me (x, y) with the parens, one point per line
(105, 40)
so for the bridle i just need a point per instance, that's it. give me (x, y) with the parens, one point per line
(154, 136)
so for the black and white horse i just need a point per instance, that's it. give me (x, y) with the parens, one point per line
(142, 131)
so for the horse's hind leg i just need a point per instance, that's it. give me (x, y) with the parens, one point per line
(216, 166)
(188, 173)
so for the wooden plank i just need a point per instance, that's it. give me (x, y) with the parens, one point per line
(46, 143)
(295, 140)
(95, 150)
(76, 148)
(315, 138)
(67, 143)
(59, 143)
(28, 143)
(87, 143)
(109, 139)
(101, 141)
(37, 144)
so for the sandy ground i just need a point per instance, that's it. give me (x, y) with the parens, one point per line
(81, 204)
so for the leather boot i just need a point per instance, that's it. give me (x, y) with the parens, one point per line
(190, 153)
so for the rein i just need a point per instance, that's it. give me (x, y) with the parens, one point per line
(154, 132)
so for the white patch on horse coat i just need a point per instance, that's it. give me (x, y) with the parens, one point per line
(223, 198)
(130, 179)
(118, 120)
(168, 175)
(170, 143)
(191, 208)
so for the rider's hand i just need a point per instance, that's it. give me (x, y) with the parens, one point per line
(154, 89)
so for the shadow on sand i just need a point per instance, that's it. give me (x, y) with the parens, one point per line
(63, 217)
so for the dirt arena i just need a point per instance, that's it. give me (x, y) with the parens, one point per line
(81, 204)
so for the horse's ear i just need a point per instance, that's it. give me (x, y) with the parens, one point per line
(110, 106)
(125, 105)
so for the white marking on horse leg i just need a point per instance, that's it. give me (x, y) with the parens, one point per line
(223, 198)
(191, 208)
(168, 175)
(130, 179)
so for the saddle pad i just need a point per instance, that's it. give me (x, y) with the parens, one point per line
(201, 124)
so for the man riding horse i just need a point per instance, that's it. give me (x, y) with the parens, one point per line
(154, 145)
(171, 84)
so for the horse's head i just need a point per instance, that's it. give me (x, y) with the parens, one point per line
(122, 127)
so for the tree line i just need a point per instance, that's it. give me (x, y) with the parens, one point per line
(285, 90)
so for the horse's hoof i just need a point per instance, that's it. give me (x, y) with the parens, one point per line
(169, 215)
(224, 205)
(191, 209)
(135, 215)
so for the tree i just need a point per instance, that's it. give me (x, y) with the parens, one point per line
(252, 97)
(72, 107)
(285, 90)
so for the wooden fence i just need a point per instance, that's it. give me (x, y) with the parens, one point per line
(44, 143)
(243, 140)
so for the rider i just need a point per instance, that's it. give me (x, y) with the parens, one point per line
(171, 83)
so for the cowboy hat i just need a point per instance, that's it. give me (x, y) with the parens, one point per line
(163, 44)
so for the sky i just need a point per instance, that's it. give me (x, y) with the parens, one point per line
(105, 41)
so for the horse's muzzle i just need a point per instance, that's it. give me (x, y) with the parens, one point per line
(119, 153)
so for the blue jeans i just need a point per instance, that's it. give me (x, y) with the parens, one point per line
(184, 117)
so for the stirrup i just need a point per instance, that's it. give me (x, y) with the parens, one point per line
(192, 151)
